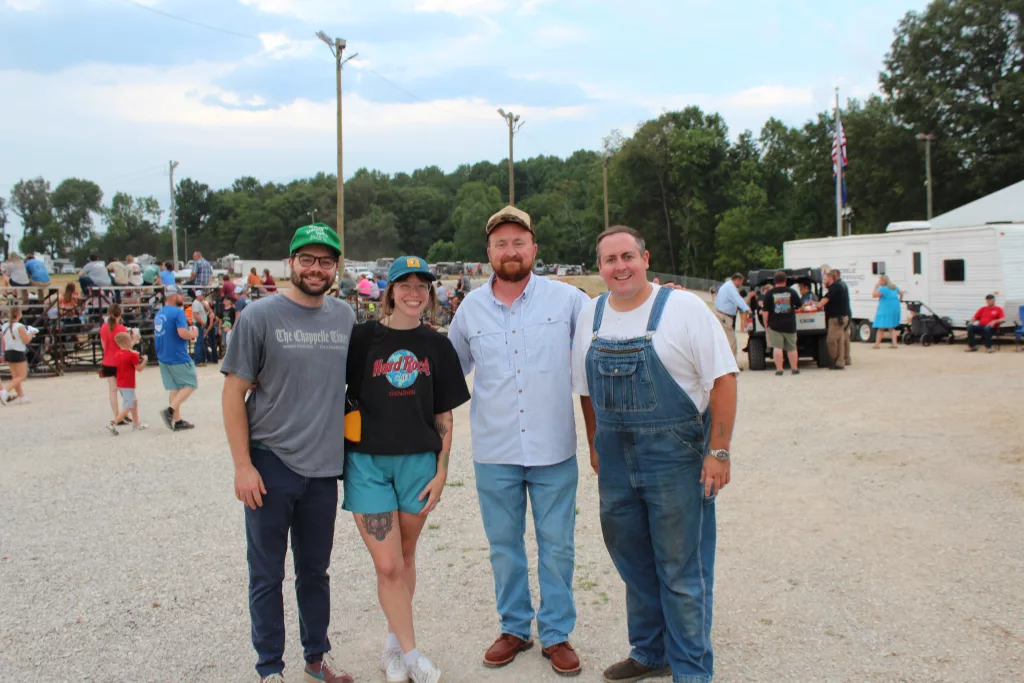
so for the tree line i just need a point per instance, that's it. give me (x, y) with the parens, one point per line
(707, 203)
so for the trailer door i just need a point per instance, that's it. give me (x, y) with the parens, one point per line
(919, 269)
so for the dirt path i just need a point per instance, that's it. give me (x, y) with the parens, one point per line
(872, 533)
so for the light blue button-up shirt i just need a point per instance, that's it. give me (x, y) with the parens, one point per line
(729, 300)
(522, 411)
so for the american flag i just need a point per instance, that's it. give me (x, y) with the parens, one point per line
(839, 151)
(839, 146)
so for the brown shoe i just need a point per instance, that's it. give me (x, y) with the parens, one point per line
(564, 659)
(630, 670)
(505, 649)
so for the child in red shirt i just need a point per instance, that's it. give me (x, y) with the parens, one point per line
(127, 363)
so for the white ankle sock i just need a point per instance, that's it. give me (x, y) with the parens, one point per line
(411, 657)
(392, 641)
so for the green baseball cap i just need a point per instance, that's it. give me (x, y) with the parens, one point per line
(317, 233)
(404, 265)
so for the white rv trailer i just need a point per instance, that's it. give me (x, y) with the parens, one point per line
(949, 269)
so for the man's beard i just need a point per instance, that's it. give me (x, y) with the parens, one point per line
(513, 269)
(296, 280)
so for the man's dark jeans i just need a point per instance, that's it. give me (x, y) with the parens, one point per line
(986, 332)
(307, 507)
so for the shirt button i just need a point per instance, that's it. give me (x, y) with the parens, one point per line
(522, 430)
(513, 312)
(520, 411)
(513, 331)
(518, 371)
(520, 391)
(549, 319)
(517, 350)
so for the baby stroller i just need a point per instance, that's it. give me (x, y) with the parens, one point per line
(927, 328)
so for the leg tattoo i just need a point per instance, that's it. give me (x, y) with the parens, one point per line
(378, 524)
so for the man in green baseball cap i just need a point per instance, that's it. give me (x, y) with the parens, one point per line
(316, 233)
(288, 353)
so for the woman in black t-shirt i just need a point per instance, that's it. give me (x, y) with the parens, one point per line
(406, 379)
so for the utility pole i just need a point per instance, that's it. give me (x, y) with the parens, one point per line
(514, 124)
(174, 222)
(337, 47)
(604, 163)
(837, 161)
(928, 138)
(312, 215)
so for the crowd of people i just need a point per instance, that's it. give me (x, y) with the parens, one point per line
(533, 343)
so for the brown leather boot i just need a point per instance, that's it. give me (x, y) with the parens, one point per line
(505, 649)
(564, 659)
(630, 671)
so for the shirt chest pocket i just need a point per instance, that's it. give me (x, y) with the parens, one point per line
(547, 344)
(490, 351)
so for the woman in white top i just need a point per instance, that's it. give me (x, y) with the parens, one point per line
(15, 270)
(13, 346)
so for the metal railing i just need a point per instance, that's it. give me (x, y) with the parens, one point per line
(695, 283)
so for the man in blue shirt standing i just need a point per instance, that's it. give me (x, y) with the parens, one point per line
(516, 332)
(172, 334)
(202, 271)
(727, 304)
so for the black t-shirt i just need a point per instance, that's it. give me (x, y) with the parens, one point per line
(782, 304)
(838, 305)
(408, 377)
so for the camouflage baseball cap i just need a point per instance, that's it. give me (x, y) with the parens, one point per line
(510, 214)
(317, 233)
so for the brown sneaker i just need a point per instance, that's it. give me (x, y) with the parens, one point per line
(564, 659)
(505, 649)
(630, 670)
(326, 671)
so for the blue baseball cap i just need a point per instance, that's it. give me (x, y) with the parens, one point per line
(404, 265)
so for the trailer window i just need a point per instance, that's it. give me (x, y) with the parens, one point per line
(953, 270)
(917, 263)
(878, 267)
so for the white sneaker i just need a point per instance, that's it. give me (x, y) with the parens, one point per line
(139, 427)
(273, 678)
(3, 397)
(112, 428)
(424, 672)
(392, 663)
(22, 401)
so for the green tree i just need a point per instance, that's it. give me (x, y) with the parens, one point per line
(957, 70)
(30, 200)
(3, 228)
(372, 236)
(441, 252)
(74, 203)
(192, 209)
(474, 204)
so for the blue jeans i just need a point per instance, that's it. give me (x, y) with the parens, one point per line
(199, 350)
(307, 507)
(502, 490)
(660, 532)
(987, 332)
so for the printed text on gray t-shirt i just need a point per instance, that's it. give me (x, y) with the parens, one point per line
(296, 356)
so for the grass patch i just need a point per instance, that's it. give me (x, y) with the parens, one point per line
(433, 526)
(456, 483)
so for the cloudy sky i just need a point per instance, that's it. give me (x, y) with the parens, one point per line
(111, 90)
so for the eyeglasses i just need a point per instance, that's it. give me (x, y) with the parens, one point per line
(307, 261)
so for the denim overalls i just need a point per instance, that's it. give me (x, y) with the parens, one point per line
(658, 526)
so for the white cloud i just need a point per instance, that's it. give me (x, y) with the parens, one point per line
(560, 35)
(462, 7)
(281, 46)
(23, 5)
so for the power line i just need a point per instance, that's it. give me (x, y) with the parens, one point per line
(190, 21)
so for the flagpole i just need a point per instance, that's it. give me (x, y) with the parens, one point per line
(839, 172)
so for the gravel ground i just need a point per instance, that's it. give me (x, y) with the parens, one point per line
(872, 532)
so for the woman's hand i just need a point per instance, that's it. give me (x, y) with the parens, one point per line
(433, 492)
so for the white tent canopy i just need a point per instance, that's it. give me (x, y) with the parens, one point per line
(1006, 205)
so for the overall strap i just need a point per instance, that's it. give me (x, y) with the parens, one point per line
(659, 305)
(599, 312)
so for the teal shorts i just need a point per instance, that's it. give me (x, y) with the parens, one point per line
(383, 483)
(179, 376)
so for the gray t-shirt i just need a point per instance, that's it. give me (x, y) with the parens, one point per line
(97, 272)
(296, 355)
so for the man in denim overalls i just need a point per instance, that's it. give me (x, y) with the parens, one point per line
(661, 381)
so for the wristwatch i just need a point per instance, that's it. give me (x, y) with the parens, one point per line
(719, 454)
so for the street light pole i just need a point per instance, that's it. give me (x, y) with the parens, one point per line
(337, 47)
(928, 138)
(174, 231)
(514, 124)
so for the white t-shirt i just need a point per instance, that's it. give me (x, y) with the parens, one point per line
(12, 337)
(134, 274)
(199, 312)
(689, 341)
